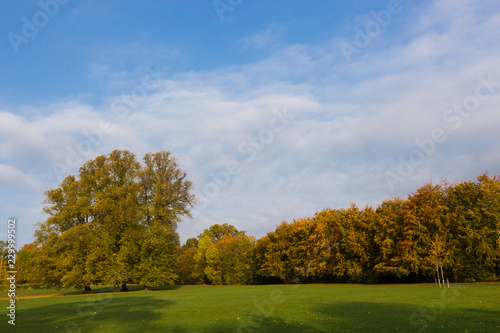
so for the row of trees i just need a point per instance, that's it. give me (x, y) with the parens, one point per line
(115, 223)
(454, 226)
(220, 255)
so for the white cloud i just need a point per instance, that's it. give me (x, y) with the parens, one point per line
(14, 180)
(264, 38)
(352, 121)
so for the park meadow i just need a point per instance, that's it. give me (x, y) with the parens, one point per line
(267, 308)
(109, 259)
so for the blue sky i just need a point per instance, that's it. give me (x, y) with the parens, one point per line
(275, 109)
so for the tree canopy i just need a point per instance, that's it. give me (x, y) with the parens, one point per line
(114, 222)
(452, 226)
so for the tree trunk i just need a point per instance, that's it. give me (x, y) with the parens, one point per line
(124, 286)
(87, 290)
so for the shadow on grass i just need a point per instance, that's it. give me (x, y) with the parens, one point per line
(150, 311)
(95, 290)
(257, 324)
(389, 317)
(101, 312)
(131, 287)
(113, 312)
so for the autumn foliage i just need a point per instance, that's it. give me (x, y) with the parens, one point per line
(115, 223)
(456, 226)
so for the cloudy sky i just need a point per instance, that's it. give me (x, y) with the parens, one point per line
(275, 110)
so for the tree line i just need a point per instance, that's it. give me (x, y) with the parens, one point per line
(455, 227)
(115, 223)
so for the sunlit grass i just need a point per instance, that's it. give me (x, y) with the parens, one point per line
(271, 308)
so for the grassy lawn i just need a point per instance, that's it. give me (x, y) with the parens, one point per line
(273, 308)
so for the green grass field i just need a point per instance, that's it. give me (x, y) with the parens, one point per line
(271, 308)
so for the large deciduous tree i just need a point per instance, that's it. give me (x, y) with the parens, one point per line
(223, 255)
(475, 213)
(115, 221)
(218, 231)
